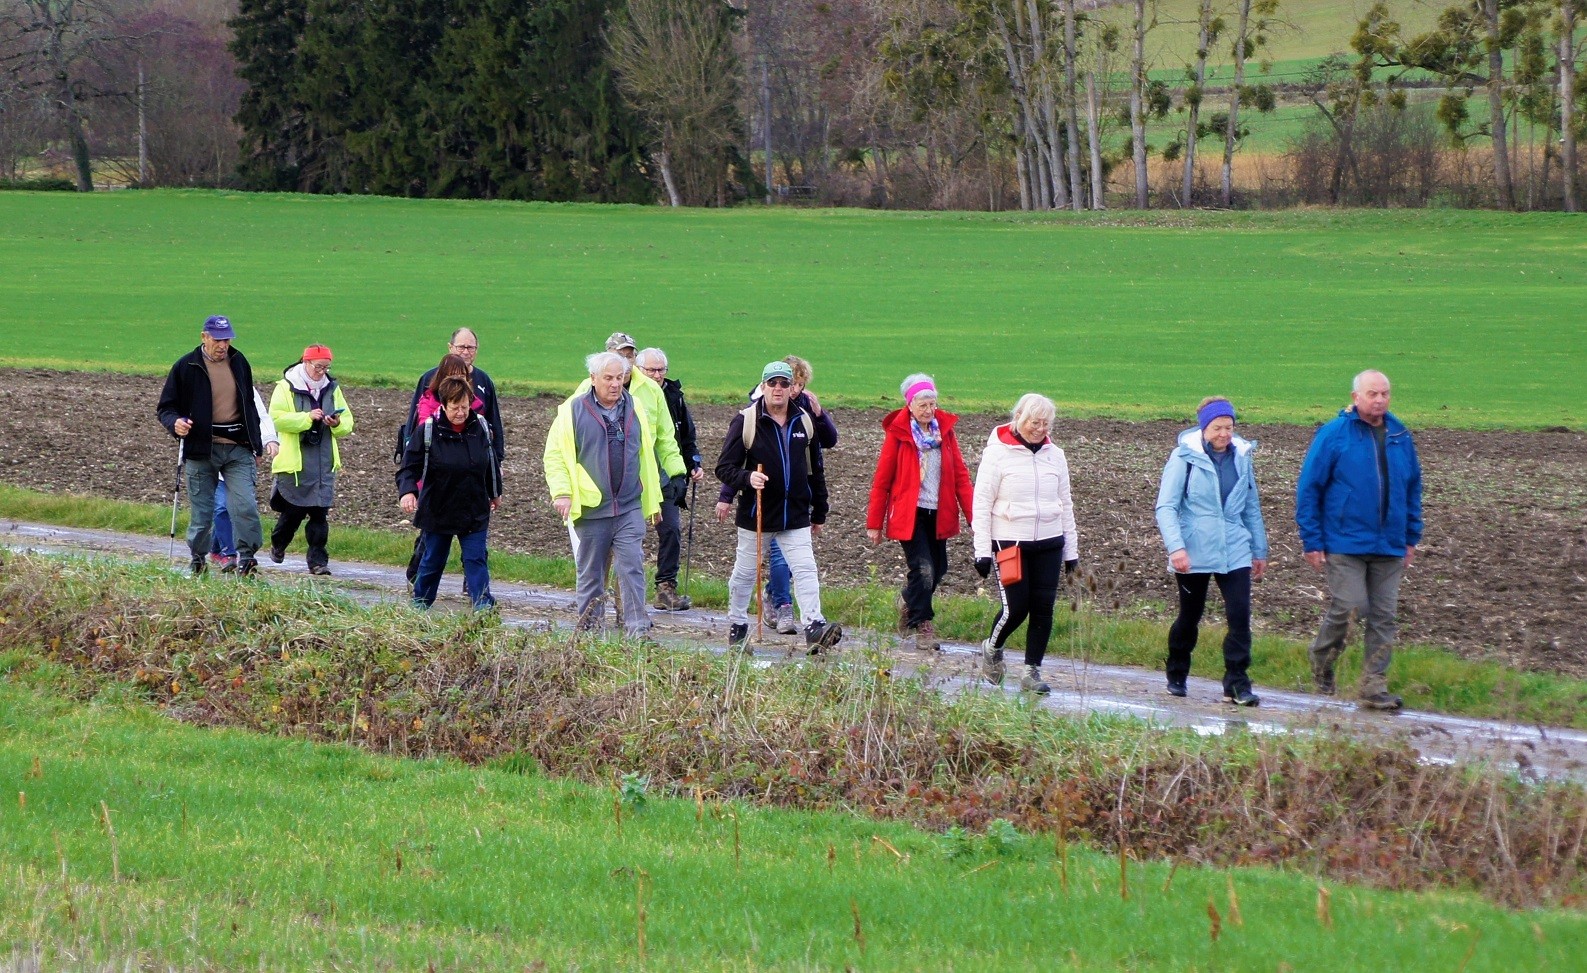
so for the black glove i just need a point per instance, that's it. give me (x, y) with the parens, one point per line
(1071, 565)
(983, 567)
(673, 490)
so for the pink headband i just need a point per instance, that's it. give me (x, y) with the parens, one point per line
(916, 389)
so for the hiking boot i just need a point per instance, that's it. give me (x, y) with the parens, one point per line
(904, 628)
(247, 567)
(1032, 683)
(785, 621)
(277, 554)
(323, 569)
(198, 565)
(1242, 697)
(991, 663)
(738, 638)
(768, 614)
(1324, 678)
(926, 638)
(1176, 687)
(668, 599)
(820, 636)
(1384, 701)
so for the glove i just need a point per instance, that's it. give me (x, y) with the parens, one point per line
(983, 567)
(1071, 565)
(673, 490)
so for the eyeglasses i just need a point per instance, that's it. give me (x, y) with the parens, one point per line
(778, 383)
(652, 370)
(465, 347)
(318, 366)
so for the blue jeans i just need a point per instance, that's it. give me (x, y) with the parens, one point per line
(476, 568)
(221, 540)
(779, 579)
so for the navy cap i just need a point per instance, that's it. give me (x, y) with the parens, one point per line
(218, 326)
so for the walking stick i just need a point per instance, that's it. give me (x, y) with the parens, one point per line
(181, 446)
(760, 596)
(694, 500)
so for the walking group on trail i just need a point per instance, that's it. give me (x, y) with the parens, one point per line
(622, 456)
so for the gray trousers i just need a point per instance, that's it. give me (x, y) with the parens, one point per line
(623, 539)
(1368, 585)
(242, 500)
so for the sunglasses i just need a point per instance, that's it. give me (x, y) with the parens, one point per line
(778, 383)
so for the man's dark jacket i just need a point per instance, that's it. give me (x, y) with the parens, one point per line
(682, 423)
(795, 494)
(490, 409)
(187, 395)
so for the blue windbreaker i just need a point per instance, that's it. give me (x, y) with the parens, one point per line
(1219, 536)
(1337, 499)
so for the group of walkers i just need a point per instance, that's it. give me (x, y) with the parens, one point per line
(622, 456)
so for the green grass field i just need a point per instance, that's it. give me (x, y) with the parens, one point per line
(1138, 315)
(135, 841)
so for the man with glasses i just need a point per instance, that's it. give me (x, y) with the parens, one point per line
(772, 457)
(669, 532)
(466, 346)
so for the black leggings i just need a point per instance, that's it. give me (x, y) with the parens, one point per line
(1032, 597)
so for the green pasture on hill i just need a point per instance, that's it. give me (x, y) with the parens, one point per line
(1475, 316)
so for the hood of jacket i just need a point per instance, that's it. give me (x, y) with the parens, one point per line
(896, 424)
(1395, 426)
(1192, 446)
(1006, 436)
(298, 377)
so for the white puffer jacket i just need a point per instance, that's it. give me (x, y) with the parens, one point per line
(1021, 495)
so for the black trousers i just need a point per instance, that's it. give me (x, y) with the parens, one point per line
(927, 560)
(1033, 597)
(317, 533)
(1236, 589)
(669, 542)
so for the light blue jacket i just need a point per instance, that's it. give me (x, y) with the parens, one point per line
(1218, 536)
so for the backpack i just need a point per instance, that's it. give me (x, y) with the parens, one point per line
(429, 431)
(750, 424)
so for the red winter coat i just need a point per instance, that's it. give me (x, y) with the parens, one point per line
(895, 489)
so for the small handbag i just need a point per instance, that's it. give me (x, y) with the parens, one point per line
(1010, 566)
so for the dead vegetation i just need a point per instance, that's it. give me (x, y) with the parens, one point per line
(844, 736)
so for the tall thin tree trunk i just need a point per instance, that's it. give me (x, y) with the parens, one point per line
(1232, 129)
(1138, 107)
(1193, 124)
(1072, 99)
(143, 134)
(1567, 101)
(765, 101)
(1496, 120)
(1098, 198)
(664, 159)
(1021, 173)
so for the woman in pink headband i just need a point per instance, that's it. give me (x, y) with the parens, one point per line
(919, 493)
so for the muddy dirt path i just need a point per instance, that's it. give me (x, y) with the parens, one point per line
(1502, 572)
(1077, 687)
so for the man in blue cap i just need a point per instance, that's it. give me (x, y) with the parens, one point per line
(772, 456)
(208, 403)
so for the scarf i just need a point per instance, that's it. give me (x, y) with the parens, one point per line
(928, 438)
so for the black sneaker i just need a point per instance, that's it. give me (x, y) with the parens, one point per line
(1176, 687)
(1242, 697)
(1324, 678)
(1383, 701)
(247, 567)
(320, 569)
(278, 554)
(198, 565)
(820, 636)
(738, 638)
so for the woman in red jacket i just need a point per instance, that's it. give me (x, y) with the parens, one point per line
(920, 491)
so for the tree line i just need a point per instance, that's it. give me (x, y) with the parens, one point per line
(988, 104)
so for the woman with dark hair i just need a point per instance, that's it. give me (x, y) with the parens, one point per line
(920, 489)
(427, 405)
(1211, 521)
(449, 483)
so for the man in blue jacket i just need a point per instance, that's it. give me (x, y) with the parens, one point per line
(1359, 508)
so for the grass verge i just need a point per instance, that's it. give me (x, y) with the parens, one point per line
(301, 663)
(138, 842)
(1094, 629)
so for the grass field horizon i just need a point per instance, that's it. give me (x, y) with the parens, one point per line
(1134, 315)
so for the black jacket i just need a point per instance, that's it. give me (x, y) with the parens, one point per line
(489, 408)
(682, 423)
(795, 494)
(462, 479)
(187, 395)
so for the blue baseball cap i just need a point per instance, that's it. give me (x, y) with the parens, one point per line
(218, 326)
(777, 369)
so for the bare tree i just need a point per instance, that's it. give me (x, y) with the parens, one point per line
(1567, 100)
(1138, 106)
(1207, 31)
(676, 65)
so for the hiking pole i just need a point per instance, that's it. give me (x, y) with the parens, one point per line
(760, 596)
(694, 500)
(181, 446)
